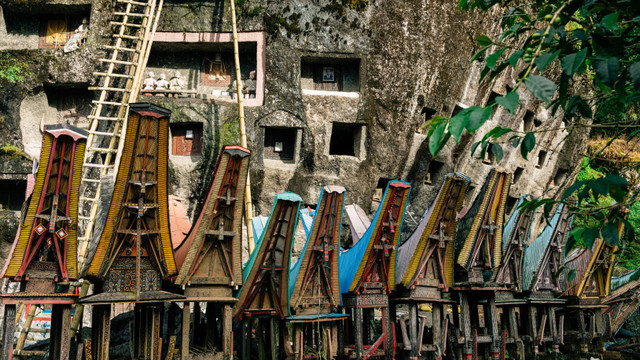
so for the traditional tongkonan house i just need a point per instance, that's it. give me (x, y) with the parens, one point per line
(314, 283)
(624, 299)
(542, 283)
(479, 254)
(263, 302)
(587, 280)
(134, 259)
(367, 277)
(210, 257)
(509, 275)
(44, 255)
(424, 272)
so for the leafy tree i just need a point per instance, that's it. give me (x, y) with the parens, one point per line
(595, 45)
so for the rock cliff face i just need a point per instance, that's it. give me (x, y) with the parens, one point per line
(388, 61)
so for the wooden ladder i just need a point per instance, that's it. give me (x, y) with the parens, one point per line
(119, 79)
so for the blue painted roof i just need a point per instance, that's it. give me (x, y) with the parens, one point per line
(618, 281)
(307, 217)
(535, 251)
(286, 196)
(512, 222)
(350, 259)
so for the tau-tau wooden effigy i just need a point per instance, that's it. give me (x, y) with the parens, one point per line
(210, 257)
(479, 245)
(542, 283)
(263, 302)
(43, 257)
(624, 299)
(424, 272)
(367, 277)
(587, 281)
(134, 255)
(314, 283)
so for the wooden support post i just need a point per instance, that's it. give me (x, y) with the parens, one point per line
(227, 332)
(273, 339)
(25, 328)
(582, 328)
(298, 338)
(494, 331)
(553, 327)
(60, 342)
(388, 325)
(358, 330)
(8, 331)
(156, 335)
(437, 327)
(101, 331)
(406, 343)
(413, 330)
(186, 326)
(466, 326)
(514, 333)
(533, 327)
(259, 338)
(246, 338)
(171, 348)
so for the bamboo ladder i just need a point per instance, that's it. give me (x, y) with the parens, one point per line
(134, 24)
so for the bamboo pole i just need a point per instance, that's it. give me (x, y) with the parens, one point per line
(26, 327)
(243, 132)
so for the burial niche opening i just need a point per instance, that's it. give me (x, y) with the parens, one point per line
(511, 204)
(186, 139)
(345, 139)
(561, 176)
(527, 121)
(12, 194)
(517, 174)
(434, 171)
(330, 74)
(542, 157)
(73, 104)
(279, 143)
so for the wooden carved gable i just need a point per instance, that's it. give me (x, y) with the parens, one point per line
(212, 252)
(46, 246)
(266, 286)
(510, 272)
(482, 225)
(135, 244)
(547, 277)
(376, 272)
(597, 280)
(316, 284)
(432, 260)
(624, 299)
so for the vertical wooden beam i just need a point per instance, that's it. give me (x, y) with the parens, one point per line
(532, 324)
(494, 331)
(259, 338)
(274, 341)
(101, 331)
(358, 330)
(8, 331)
(388, 326)
(466, 325)
(553, 327)
(582, 328)
(60, 342)
(227, 332)
(245, 340)
(186, 322)
(413, 330)
(514, 333)
(156, 340)
(437, 327)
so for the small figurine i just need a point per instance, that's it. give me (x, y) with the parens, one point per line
(250, 85)
(75, 41)
(162, 83)
(176, 82)
(150, 82)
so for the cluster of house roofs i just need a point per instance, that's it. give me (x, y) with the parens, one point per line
(464, 284)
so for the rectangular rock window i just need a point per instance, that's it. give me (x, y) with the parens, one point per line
(12, 194)
(330, 74)
(345, 139)
(73, 105)
(55, 30)
(560, 177)
(511, 204)
(435, 168)
(279, 143)
(186, 139)
(542, 156)
(517, 174)
(216, 69)
(527, 121)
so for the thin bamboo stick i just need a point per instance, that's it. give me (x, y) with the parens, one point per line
(248, 211)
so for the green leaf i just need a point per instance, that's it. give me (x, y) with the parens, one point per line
(571, 189)
(634, 72)
(607, 70)
(600, 186)
(571, 63)
(478, 117)
(498, 131)
(544, 59)
(483, 40)
(610, 234)
(497, 151)
(479, 53)
(474, 147)
(509, 101)
(516, 142)
(513, 59)
(435, 138)
(458, 123)
(541, 87)
(493, 58)
(589, 236)
(528, 144)
(610, 22)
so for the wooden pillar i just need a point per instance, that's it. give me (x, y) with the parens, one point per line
(186, 325)
(387, 315)
(156, 334)
(358, 330)
(298, 339)
(8, 331)
(514, 333)
(437, 329)
(246, 340)
(259, 332)
(553, 329)
(274, 339)
(413, 330)
(532, 325)
(101, 320)
(227, 332)
(582, 328)
(465, 322)
(60, 342)
(493, 327)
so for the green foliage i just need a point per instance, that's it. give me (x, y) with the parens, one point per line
(12, 69)
(230, 132)
(12, 151)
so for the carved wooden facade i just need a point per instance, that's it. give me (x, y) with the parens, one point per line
(43, 257)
